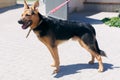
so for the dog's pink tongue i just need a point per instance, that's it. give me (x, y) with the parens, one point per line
(24, 26)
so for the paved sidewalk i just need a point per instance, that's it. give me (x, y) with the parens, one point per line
(29, 59)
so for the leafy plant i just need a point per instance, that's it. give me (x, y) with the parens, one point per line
(113, 22)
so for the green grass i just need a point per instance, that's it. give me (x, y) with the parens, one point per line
(112, 22)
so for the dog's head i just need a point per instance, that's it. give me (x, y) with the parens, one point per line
(30, 16)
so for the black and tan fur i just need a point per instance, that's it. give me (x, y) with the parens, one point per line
(52, 32)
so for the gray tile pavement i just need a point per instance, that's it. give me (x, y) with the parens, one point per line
(29, 59)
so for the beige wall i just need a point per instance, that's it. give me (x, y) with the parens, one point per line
(5, 3)
(103, 0)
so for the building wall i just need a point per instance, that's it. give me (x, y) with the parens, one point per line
(5, 3)
(100, 5)
(76, 5)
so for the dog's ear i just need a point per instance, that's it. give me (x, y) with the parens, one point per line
(35, 5)
(25, 5)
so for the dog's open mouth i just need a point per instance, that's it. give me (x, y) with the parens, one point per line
(26, 24)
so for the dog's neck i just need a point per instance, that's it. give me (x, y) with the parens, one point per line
(40, 21)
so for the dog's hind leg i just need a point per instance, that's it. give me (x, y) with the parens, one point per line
(93, 54)
(87, 48)
(92, 59)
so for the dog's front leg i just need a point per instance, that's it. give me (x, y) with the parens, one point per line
(53, 50)
(55, 56)
(54, 53)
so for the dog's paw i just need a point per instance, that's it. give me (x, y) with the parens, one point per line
(53, 65)
(91, 62)
(100, 70)
(55, 71)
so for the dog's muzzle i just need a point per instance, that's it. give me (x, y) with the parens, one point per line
(25, 24)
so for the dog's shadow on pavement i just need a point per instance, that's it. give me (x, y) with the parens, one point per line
(75, 68)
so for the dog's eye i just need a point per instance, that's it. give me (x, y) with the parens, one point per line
(27, 15)
(32, 13)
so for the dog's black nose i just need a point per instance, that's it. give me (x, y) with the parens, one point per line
(20, 21)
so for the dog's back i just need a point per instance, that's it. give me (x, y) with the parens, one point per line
(63, 29)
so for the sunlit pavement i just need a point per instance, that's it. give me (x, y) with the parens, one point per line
(24, 58)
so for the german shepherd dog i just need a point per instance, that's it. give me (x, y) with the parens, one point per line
(52, 32)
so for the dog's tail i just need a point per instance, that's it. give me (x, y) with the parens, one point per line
(96, 49)
(101, 52)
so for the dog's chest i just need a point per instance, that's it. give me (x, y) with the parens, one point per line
(47, 39)
(38, 35)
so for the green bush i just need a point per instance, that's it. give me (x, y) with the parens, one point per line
(112, 22)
